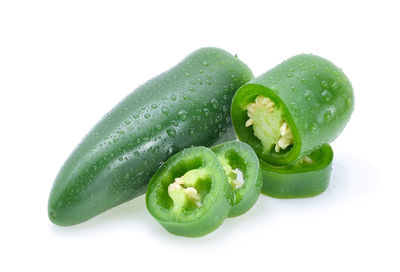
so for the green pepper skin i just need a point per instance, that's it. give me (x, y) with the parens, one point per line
(240, 155)
(217, 201)
(299, 179)
(316, 99)
(187, 105)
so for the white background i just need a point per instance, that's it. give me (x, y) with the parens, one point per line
(64, 64)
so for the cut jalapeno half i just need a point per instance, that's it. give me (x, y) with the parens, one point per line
(308, 176)
(242, 168)
(292, 109)
(190, 195)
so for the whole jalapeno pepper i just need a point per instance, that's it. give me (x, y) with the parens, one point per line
(242, 168)
(292, 109)
(308, 176)
(190, 195)
(187, 105)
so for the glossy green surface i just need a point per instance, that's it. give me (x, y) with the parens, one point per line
(213, 186)
(187, 105)
(300, 179)
(316, 99)
(239, 155)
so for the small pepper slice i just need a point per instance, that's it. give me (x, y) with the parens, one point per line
(308, 176)
(189, 195)
(292, 109)
(238, 158)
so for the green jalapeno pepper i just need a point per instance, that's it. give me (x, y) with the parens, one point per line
(238, 158)
(308, 176)
(292, 109)
(187, 105)
(190, 195)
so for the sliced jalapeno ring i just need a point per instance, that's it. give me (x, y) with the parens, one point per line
(189, 195)
(238, 158)
(308, 176)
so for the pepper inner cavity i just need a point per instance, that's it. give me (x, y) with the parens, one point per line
(268, 124)
(235, 176)
(183, 191)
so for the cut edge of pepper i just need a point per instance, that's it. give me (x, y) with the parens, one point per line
(246, 95)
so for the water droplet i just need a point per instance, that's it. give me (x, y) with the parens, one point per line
(349, 101)
(314, 128)
(205, 63)
(127, 122)
(120, 158)
(171, 132)
(294, 89)
(308, 95)
(201, 71)
(136, 153)
(165, 111)
(154, 106)
(208, 82)
(135, 116)
(186, 97)
(289, 75)
(328, 115)
(324, 84)
(173, 97)
(174, 122)
(206, 111)
(214, 103)
(192, 89)
(182, 115)
(291, 70)
(304, 80)
(158, 127)
(147, 115)
(235, 78)
(200, 81)
(326, 95)
(187, 74)
(170, 150)
(335, 85)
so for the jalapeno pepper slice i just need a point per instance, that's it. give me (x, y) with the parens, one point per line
(189, 195)
(308, 176)
(239, 159)
(292, 109)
